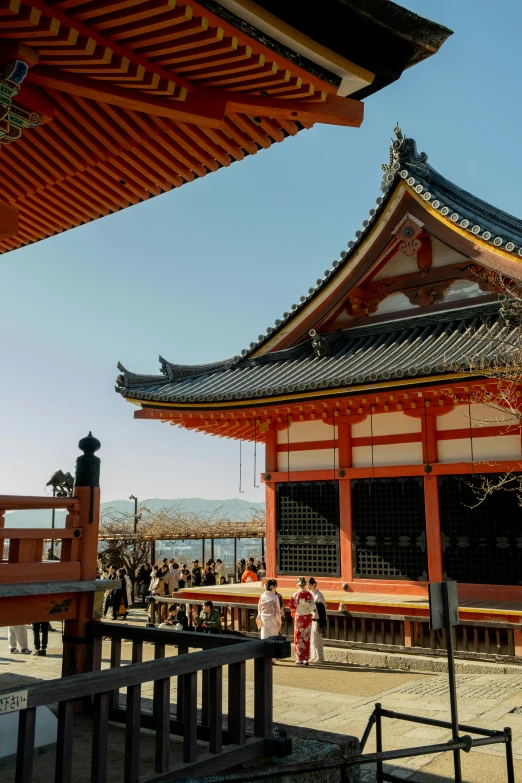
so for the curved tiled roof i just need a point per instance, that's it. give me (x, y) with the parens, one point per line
(199, 383)
(414, 346)
(456, 205)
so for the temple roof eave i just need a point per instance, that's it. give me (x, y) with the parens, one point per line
(416, 347)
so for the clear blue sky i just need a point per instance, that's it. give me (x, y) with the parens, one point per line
(198, 273)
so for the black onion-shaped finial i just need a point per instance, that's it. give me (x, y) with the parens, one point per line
(87, 464)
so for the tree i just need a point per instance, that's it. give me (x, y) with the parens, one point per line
(121, 547)
(501, 365)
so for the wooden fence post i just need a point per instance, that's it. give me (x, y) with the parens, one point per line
(87, 491)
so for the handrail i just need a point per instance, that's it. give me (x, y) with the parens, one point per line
(79, 686)
(40, 532)
(27, 502)
(159, 636)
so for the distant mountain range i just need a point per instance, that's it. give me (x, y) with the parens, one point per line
(233, 508)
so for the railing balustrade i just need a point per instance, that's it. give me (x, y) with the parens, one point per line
(175, 681)
(24, 562)
(390, 633)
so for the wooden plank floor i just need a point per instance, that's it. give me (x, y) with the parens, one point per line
(237, 592)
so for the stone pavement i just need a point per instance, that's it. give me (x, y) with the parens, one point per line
(338, 697)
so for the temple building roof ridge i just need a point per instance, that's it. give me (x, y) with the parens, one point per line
(457, 206)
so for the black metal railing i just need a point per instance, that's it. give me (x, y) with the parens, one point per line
(465, 742)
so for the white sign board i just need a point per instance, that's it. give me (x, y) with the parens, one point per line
(12, 702)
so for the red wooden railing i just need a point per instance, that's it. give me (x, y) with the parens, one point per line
(24, 562)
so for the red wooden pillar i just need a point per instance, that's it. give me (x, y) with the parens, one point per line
(431, 500)
(270, 504)
(345, 502)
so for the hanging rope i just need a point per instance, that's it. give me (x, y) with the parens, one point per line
(471, 439)
(255, 453)
(288, 445)
(371, 441)
(426, 463)
(334, 476)
(240, 470)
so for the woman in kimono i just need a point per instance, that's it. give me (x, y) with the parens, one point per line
(318, 622)
(269, 611)
(301, 606)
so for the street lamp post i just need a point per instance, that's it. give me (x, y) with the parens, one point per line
(137, 517)
(62, 484)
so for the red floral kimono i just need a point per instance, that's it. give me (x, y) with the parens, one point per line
(301, 605)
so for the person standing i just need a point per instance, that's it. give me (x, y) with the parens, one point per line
(221, 570)
(196, 576)
(172, 578)
(109, 594)
(209, 577)
(120, 600)
(185, 577)
(249, 575)
(43, 628)
(144, 577)
(318, 623)
(301, 606)
(261, 572)
(268, 618)
(18, 638)
(241, 565)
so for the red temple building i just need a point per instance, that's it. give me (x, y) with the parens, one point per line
(372, 395)
(104, 105)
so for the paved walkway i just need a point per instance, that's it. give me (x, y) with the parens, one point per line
(339, 698)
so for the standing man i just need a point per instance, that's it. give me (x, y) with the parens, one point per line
(196, 574)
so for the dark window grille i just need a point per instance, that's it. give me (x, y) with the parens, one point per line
(481, 542)
(308, 528)
(389, 529)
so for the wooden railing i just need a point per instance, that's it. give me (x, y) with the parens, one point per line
(386, 633)
(25, 561)
(173, 678)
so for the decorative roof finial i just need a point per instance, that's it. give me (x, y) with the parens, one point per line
(319, 344)
(403, 155)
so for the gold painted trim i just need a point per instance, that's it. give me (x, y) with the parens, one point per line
(473, 238)
(308, 395)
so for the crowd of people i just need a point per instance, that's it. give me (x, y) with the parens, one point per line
(307, 605)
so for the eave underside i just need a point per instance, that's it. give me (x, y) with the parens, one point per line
(418, 397)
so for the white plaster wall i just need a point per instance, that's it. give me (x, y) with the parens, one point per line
(502, 447)
(394, 454)
(394, 303)
(304, 431)
(481, 416)
(462, 289)
(318, 459)
(442, 255)
(393, 423)
(399, 265)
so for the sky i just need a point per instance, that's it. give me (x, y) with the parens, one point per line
(197, 274)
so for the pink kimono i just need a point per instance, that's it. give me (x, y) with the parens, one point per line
(301, 605)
